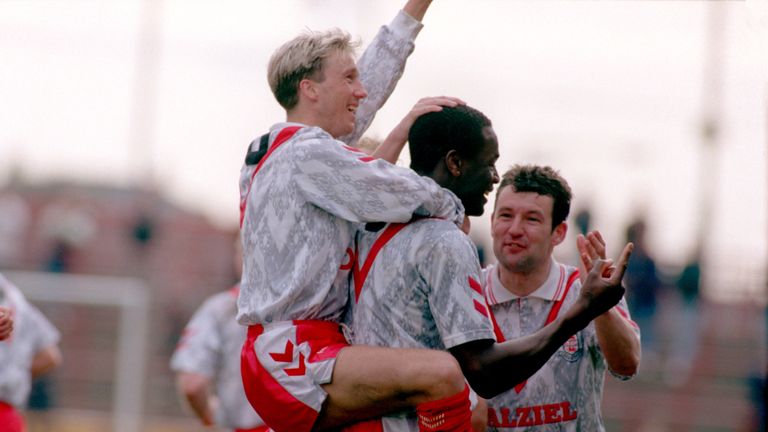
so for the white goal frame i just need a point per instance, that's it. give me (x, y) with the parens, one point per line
(131, 296)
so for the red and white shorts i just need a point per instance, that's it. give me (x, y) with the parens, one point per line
(10, 419)
(284, 365)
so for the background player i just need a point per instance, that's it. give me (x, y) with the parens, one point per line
(527, 289)
(30, 351)
(418, 284)
(208, 354)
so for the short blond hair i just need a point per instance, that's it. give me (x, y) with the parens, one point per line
(304, 57)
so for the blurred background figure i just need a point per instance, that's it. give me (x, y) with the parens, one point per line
(208, 356)
(642, 282)
(31, 351)
(68, 225)
(685, 336)
(14, 219)
(583, 219)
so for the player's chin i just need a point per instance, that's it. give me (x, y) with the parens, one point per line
(346, 129)
(475, 208)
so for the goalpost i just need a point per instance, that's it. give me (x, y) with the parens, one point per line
(131, 297)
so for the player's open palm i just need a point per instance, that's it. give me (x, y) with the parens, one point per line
(591, 248)
(602, 288)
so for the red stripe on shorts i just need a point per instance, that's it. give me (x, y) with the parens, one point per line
(275, 405)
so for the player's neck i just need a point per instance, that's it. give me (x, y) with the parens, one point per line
(307, 114)
(523, 283)
(301, 116)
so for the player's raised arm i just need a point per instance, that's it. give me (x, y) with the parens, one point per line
(383, 63)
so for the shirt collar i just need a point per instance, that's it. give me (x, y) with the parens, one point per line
(550, 290)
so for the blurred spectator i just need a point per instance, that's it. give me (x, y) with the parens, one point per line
(583, 220)
(13, 224)
(642, 282)
(686, 334)
(31, 351)
(68, 225)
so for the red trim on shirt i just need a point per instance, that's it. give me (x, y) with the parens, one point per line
(624, 314)
(550, 317)
(283, 136)
(365, 158)
(360, 274)
(559, 303)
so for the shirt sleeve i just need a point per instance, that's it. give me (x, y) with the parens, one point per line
(351, 185)
(46, 334)
(452, 270)
(198, 346)
(381, 66)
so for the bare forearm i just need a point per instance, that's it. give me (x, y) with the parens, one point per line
(492, 369)
(618, 342)
(45, 360)
(390, 148)
(201, 407)
(417, 8)
(194, 388)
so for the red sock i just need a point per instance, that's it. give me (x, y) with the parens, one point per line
(451, 414)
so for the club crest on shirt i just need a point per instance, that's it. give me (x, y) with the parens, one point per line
(572, 349)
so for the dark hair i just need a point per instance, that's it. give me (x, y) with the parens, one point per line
(542, 180)
(433, 134)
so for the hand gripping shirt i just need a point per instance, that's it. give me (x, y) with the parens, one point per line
(417, 285)
(32, 332)
(301, 207)
(566, 393)
(210, 345)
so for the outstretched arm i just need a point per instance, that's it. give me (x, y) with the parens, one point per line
(417, 8)
(492, 368)
(616, 333)
(383, 62)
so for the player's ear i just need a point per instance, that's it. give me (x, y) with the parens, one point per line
(453, 163)
(308, 89)
(558, 234)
